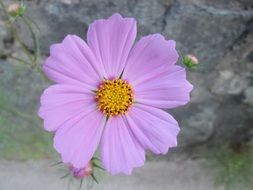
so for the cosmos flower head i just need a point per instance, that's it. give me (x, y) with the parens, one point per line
(110, 94)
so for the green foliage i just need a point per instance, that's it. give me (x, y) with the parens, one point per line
(18, 142)
(21, 138)
(234, 168)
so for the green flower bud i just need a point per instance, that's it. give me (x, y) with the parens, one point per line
(190, 61)
(15, 10)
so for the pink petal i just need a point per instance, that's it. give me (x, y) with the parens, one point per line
(62, 102)
(150, 56)
(72, 62)
(78, 138)
(120, 152)
(165, 90)
(111, 41)
(155, 129)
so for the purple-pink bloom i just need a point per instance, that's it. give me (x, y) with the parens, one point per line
(81, 173)
(110, 94)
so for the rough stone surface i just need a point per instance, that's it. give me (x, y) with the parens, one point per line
(230, 83)
(218, 32)
(6, 40)
(249, 95)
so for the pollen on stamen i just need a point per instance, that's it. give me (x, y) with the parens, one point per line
(114, 97)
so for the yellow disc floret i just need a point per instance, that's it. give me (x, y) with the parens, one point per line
(114, 97)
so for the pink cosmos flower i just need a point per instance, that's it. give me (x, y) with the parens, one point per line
(110, 94)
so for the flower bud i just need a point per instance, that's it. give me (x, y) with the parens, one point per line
(16, 9)
(193, 58)
(190, 61)
(81, 173)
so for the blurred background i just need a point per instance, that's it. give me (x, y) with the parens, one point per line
(216, 141)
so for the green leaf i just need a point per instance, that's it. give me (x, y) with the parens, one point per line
(94, 178)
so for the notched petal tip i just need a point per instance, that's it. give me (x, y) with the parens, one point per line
(120, 17)
(55, 46)
(172, 43)
(116, 15)
(127, 171)
(190, 86)
(39, 113)
(111, 40)
(156, 130)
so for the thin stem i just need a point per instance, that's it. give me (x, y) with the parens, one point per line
(22, 44)
(56, 164)
(35, 40)
(14, 33)
(34, 23)
(34, 59)
(81, 183)
(2, 4)
(66, 175)
(19, 59)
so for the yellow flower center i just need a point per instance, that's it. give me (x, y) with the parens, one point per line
(114, 97)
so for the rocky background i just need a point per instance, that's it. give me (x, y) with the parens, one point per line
(218, 32)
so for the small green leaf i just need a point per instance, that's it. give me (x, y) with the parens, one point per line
(57, 163)
(98, 166)
(94, 178)
(66, 175)
(81, 183)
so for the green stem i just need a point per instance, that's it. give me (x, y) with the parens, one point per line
(18, 59)
(33, 59)
(35, 40)
(14, 33)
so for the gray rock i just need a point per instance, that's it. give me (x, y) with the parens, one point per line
(205, 30)
(234, 124)
(248, 93)
(197, 127)
(218, 32)
(229, 83)
(6, 40)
